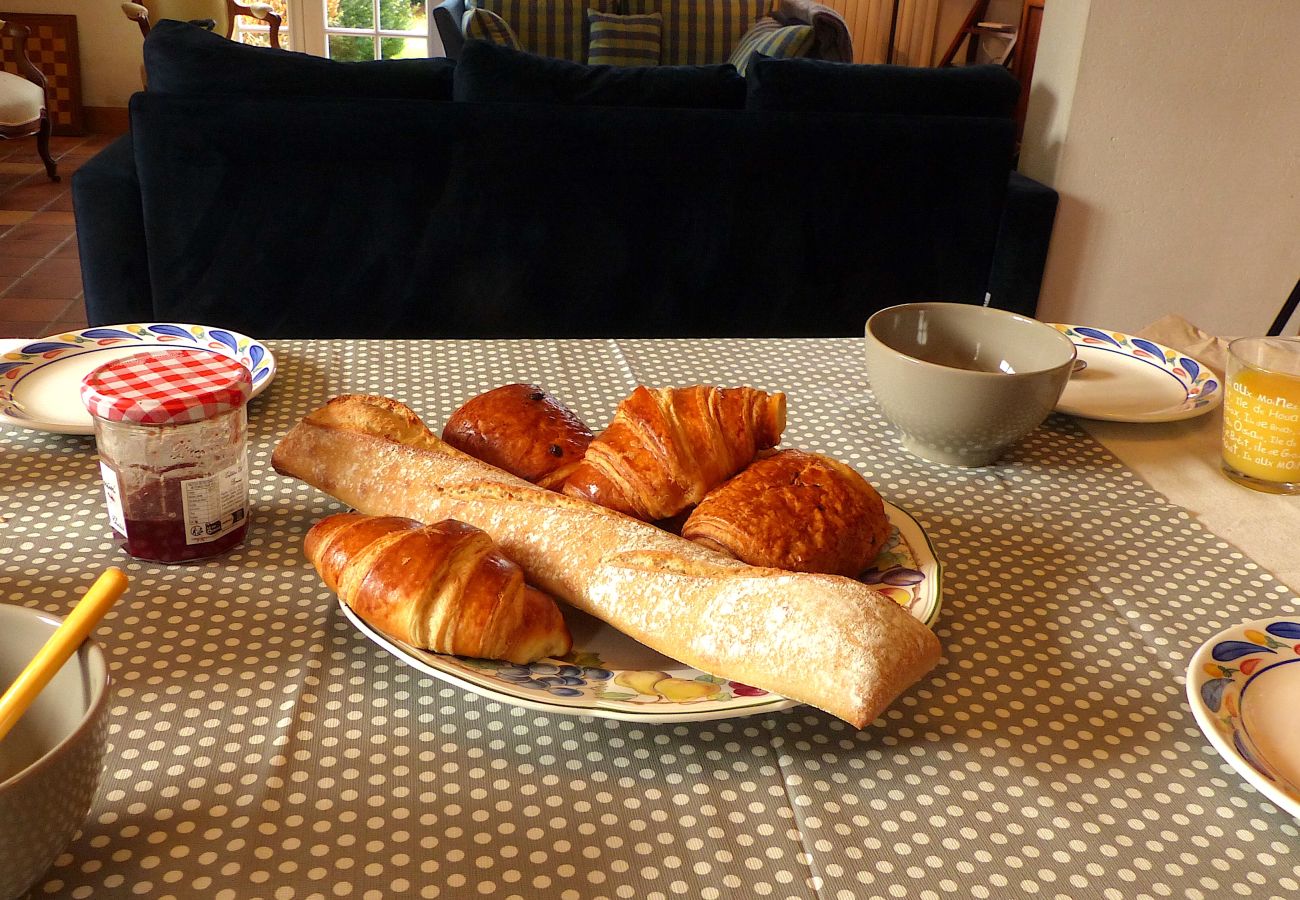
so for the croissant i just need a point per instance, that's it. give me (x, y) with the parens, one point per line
(443, 587)
(667, 448)
(522, 429)
(798, 511)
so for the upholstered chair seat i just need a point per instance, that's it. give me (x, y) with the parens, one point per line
(21, 101)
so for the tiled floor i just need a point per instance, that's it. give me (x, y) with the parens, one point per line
(40, 274)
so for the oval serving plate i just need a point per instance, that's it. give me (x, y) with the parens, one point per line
(40, 381)
(609, 675)
(1244, 686)
(1122, 378)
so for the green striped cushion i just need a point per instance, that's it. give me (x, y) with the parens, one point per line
(485, 25)
(554, 28)
(699, 33)
(623, 40)
(771, 39)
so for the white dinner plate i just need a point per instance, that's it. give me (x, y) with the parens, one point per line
(40, 381)
(1244, 688)
(609, 675)
(1121, 378)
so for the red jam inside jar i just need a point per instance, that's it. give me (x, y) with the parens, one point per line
(171, 431)
(156, 529)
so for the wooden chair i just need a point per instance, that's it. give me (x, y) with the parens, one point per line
(24, 106)
(215, 15)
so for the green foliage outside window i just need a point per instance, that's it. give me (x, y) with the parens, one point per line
(394, 15)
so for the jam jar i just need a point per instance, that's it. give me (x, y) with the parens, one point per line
(171, 432)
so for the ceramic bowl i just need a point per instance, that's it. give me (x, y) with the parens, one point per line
(50, 761)
(963, 383)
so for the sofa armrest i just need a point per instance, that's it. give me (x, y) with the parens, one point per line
(110, 237)
(447, 16)
(1024, 233)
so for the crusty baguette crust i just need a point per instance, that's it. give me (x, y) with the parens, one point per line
(820, 639)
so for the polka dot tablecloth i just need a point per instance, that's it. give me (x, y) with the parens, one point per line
(261, 747)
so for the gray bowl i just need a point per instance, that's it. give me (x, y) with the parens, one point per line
(963, 383)
(50, 762)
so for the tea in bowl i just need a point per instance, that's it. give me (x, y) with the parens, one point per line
(50, 762)
(963, 383)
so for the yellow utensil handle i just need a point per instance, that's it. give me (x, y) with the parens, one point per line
(62, 644)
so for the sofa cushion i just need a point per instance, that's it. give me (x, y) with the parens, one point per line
(554, 28)
(623, 40)
(180, 58)
(700, 32)
(815, 85)
(485, 25)
(487, 73)
(772, 41)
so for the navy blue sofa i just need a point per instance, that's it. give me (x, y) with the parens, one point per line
(414, 215)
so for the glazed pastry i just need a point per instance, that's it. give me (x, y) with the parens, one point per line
(522, 429)
(667, 448)
(794, 510)
(443, 587)
(819, 639)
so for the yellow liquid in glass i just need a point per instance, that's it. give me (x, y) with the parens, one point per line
(1261, 425)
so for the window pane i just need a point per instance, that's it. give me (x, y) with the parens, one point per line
(350, 13)
(400, 15)
(404, 48)
(351, 47)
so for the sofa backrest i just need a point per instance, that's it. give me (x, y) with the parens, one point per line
(811, 85)
(180, 58)
(514, 220)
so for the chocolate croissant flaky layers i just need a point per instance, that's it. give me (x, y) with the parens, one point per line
(821, 639)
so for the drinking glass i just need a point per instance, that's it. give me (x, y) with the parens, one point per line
(1261, 414)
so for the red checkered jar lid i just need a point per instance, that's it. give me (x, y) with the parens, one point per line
(170, 388)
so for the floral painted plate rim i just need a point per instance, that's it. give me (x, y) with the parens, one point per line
(1219, 674)
(27, 362)
(583, 683)
(1201, 386)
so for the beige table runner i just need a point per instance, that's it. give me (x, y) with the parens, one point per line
(261, 747)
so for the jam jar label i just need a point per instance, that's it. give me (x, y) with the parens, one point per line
(113, 498)
(215, 504)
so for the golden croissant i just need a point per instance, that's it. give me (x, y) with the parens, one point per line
(665, 449)
(444, 587)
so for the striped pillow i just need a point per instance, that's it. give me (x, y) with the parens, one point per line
(773, 40)
(623, 40)
(485, 25)
(699, 33)
(554, 28)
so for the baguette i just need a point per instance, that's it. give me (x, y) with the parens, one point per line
(824, 640)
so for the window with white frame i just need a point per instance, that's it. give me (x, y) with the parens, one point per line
(348, 29)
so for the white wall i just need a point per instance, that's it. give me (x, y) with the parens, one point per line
(109, 44)
(1172, 132)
